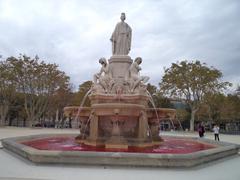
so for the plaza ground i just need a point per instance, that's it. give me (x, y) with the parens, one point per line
(13, 167)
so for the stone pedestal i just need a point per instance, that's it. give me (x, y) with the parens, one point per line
(119, 66)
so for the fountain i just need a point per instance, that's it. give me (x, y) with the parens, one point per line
(119, 128)
(119, 116)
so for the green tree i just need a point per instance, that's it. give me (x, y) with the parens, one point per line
(214, 103)
(17, 115)
(83, 89)
(151, 89)
(191, 81)
(38, 81)
(182, 114)
(7, 90)
(157, 98)
(161, 101)
(230, 111)
(60, 99)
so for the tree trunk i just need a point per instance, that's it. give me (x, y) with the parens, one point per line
(30, 121)
(193, 112)
(57, 116)
(2, 121)
(3, 114)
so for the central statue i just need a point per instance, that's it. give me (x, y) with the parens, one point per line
(121, 37)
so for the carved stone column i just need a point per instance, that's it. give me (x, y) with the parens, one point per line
(93, 128)
(143, 126)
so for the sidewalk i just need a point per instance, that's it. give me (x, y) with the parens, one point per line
(209, 135)
(13, 167)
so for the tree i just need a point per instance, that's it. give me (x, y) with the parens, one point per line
(182, 115)
(17, 114)
(157, 98)
(60, 99)
(38, 81)
(7, 90)
(161, 101)
(151, 89)
(220, 108)
(231, 112)
(214, 103)
(79, 96)
(191, 81)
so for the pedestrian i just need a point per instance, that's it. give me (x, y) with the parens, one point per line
(216, 132)
(201, 130)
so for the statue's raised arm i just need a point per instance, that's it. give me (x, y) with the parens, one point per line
(121, 38)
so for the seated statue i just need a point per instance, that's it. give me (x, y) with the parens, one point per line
(104, 77)
(134, 78)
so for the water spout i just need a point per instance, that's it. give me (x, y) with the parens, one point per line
(154, 106)
(81, 105)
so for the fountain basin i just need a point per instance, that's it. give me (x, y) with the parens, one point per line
(173, 152)
(119, 124)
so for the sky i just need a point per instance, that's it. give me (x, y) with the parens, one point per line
(75, 34)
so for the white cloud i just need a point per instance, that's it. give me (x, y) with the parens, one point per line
(75, 34)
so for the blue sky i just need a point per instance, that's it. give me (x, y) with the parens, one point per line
(74, 34)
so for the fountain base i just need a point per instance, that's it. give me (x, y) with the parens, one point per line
(173, 152)
(120, 121)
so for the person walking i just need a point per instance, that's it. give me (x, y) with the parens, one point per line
(216, 132)
(201, 130)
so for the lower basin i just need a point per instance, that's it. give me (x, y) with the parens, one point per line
(181, 152)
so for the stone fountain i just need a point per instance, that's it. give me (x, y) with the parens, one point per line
(119, 115)
(119, 128)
